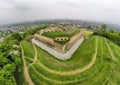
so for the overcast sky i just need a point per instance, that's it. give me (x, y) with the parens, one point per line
(94, 10)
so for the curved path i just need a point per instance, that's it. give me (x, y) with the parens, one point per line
(110, 51)
(35, 57)
(74, 71)
(26, 72)
(112, 55)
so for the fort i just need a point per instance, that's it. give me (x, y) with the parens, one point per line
(58, 38)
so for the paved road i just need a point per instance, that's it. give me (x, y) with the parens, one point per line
(57, 54)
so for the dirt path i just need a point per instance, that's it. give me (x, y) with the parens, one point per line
(26, 72)
(110, 51)
(112, 54)
(29, 58)
(35, 57)
(74, 71)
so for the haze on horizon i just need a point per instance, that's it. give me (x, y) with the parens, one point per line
(12, 11)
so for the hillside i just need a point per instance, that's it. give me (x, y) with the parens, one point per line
(96, 62)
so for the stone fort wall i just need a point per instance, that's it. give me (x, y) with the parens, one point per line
(44, 39)
(61, 48)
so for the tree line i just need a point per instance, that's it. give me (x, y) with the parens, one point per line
(108, 33)
(11, 67)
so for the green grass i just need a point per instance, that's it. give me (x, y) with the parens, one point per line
(60, 34)
(38, 80)
(61, 42)
(28, 60)
(0, 33)
(104, 71)
(104, 64)
(116, 49)
(28, 49)
(79, 59)
(56, 34)
(114, 76)
(70, 78)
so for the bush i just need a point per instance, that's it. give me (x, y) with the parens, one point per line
(113, 36)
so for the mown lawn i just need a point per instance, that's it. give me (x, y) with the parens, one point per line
(104, 65)
(69, 79)
(104, 71)
(114, 76)
(28, 51)
(79, 59)
(60, 34)
(56, 34)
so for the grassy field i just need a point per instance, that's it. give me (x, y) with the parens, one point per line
(28, 51)
(51, 71)
(76, 61)
(55, 34)
(60, 34)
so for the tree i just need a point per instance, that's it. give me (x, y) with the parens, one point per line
(17, 36)
(5, 47)
(6, 75)
(103, 27)
(3, 60)
(111, 30)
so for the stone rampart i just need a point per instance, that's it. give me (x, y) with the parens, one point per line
(61, 48)
(44, 39)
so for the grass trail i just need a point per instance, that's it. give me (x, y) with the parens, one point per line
(35, 56)
(74, 71)
(26, 72)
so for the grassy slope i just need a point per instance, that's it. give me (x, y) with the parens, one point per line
(60, 34)
(65, 79)
(28, 51)
(79, 59)
(56, 34)
(114, 77)
(100, 77)
(103, 71)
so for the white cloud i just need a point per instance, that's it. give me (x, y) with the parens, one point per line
(23, 10)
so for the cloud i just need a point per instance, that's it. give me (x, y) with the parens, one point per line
(4, 5)
(18, 5)
(68, 3)
(22, 7)
(24, 10)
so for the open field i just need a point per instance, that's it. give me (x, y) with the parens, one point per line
(28, 51)
(51, 71)
(49, 61)
(60, 34)
(53, 35)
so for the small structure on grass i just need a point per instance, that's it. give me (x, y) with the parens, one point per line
(58, 38)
